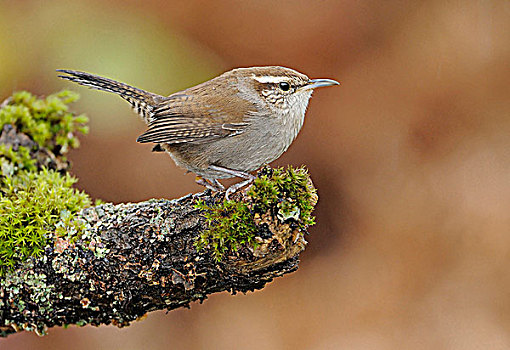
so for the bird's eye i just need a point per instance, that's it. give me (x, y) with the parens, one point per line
(284, 86)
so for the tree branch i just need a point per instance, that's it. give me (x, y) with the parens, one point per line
(138, 257)
(132, 259)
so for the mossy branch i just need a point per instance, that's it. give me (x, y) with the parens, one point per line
(63, 261)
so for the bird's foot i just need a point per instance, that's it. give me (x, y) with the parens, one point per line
(248, 179)
(213, 185)
(235, 187)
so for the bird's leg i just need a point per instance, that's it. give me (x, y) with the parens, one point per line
(235, 187)
(249, 178)
(215, 185)
(218, 184)
(5, 102)
(232, 172)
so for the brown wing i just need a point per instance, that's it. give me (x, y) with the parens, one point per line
(194, 116)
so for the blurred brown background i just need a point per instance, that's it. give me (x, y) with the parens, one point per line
(411, 156)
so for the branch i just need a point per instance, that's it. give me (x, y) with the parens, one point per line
(136, 258)
(129, 259)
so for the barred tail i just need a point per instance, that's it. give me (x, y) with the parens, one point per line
(143, 102)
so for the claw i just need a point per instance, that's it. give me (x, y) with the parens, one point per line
(215, 185)
(235, 187)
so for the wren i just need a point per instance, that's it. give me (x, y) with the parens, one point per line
(225, 127)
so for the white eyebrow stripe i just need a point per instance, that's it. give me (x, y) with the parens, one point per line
(270, 79)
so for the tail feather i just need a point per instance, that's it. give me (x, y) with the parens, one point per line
(143, 102)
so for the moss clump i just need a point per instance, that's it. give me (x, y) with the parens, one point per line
(11, 161)
(287, 194)
(47, 121)
(32, 203)
(230, 226)
(35, 201)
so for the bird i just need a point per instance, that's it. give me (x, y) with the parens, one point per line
(225, 127)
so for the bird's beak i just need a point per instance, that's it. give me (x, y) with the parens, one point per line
(315, 83)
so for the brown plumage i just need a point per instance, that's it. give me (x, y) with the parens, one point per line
(227, 126)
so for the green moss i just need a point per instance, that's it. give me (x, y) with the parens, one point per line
(22, 232)
(287, 194)
(11, 161)
(35, 202)
(230, 225)
(47, 121)
(31, 205)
